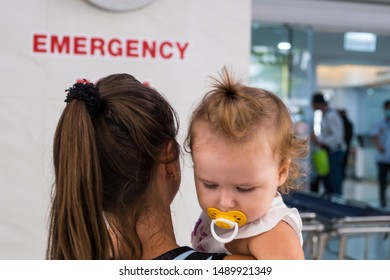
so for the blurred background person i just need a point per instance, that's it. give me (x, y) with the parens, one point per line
(381, 139)
(331, 138)
(348, 135)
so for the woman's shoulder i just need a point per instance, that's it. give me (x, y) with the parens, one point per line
(187, 253)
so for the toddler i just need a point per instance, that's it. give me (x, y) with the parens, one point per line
(245, 154)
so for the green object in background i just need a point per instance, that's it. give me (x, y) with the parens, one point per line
(321, 162)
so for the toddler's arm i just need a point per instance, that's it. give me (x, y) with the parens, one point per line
(279, 243)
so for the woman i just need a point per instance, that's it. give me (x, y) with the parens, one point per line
(117, 171)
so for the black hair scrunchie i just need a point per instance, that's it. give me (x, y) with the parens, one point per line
(88, 93)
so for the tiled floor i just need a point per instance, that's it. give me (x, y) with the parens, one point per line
(373, 246)
(364, 190)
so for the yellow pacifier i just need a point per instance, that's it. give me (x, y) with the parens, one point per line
(226, 220)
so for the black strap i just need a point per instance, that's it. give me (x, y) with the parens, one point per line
(192, 255)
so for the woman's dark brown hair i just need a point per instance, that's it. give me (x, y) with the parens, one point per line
(104, 169)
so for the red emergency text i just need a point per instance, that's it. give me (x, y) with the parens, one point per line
(94, 46)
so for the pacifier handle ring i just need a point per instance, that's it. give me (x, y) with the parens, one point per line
(221, 239)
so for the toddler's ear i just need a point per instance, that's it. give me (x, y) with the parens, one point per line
(284, 168)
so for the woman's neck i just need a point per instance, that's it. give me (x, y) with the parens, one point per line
(157, 235)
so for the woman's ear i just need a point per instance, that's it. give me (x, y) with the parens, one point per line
(284, 168)
(168, 176)
(168, 152)
(171, 159)
(173, 169)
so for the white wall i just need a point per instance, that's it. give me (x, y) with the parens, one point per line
(32, 88)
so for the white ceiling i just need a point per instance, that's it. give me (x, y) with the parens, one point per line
(379, 2)
(326, 15)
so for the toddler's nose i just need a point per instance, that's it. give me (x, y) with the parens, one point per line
(226, 202)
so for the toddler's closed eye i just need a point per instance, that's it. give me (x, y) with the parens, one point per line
(210, 186)
(245, 189)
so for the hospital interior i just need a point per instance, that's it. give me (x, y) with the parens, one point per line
(295, 48)
(354, 80)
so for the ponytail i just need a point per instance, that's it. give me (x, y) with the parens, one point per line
(77, 227)
(107, 148)
(229, 109)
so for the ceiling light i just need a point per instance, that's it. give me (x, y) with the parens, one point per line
(284, 46)
(359, 42)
